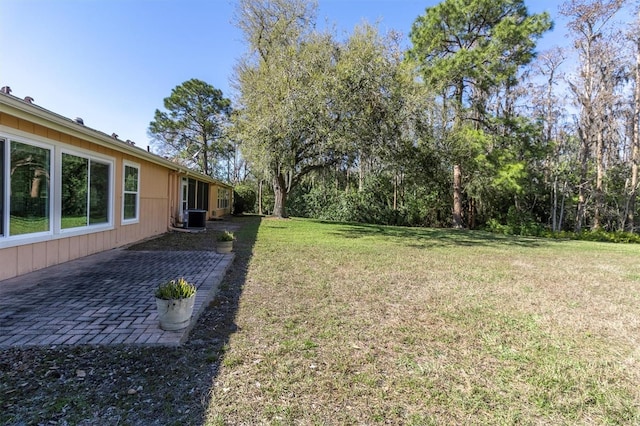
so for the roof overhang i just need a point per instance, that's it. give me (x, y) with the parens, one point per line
(17, 107)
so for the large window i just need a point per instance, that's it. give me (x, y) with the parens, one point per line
(99, 196)
(85, 192)
(203, 196)
(131, 193)
(47, 188)
(223, 198)
(29, 202)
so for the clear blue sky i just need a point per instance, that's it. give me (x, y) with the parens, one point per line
(112, 62)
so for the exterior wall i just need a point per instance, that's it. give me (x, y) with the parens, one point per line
(159, 190)
(153, 219)
(175, 181)
(214, 211)
(174, 190)
(154, 187)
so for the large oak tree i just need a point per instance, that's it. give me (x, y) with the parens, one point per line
(309, 102)
(282, 85)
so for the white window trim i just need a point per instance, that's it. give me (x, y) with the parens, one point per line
(89, 228)
(55, 181)
(225, 198)
(11, 240)
(126, 164)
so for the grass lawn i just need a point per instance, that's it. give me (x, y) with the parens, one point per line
(20, 225)
(357, 324)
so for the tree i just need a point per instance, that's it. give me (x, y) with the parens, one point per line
(547, 108)
(192, 129)
(281, 97)
(310, 103)
(635, 131)
(378, 104)
(466, 51)
(593, 89)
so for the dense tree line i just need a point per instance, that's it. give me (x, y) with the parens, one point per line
(469, 127)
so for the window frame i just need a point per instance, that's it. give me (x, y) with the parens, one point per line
(91, 157)
(26, 139)
(223, 201)
(55, 148)
(3, 180)
(136, 219)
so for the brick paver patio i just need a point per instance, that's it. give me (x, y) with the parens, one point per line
(106, 298)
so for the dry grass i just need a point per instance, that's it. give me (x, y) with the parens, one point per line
(342, 324)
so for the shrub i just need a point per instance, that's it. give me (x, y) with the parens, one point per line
(225, 236)
(244, 199)
(175, 289)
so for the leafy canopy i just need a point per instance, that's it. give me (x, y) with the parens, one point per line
(477, 42)
(191, 129)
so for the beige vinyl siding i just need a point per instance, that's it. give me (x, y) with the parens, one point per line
(22, 258)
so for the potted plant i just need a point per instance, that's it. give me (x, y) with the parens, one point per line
(175, 300)
(225, 242)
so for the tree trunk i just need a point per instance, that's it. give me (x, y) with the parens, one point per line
(582, 199)
(360, 175)
(562, 208)
(582, 180)
(457, 197)
(260, 197)
(205, 157)
(630, 227)
(280, 192)
(635, 152)
(554, 208)
(395, 192)
(597, 217)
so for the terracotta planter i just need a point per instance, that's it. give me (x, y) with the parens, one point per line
(175, 314)
(224, 246)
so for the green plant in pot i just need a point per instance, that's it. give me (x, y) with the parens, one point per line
(175, 300)
(224, 242)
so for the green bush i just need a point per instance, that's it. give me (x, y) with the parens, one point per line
(608, 237)
(517, 223)
(244, 199)
(535, 229)
(175, 289)
(496, 227)
(225, 236)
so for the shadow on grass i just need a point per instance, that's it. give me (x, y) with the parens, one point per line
(435, 237)
(209, 338)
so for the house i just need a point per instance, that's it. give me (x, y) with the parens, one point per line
(67, 191)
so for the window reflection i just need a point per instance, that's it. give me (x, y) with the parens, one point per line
(75, 178)
(85, 192)
(99, 193)
(1, 186)
(130, 192)
(29, 196)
